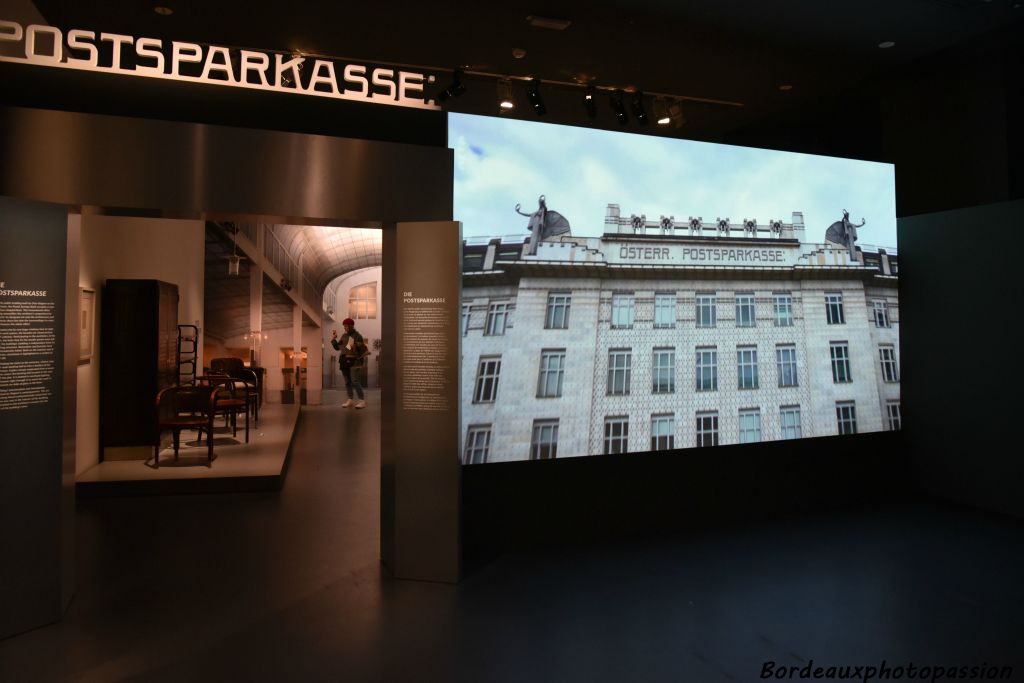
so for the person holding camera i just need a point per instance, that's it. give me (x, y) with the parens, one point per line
(352, 354)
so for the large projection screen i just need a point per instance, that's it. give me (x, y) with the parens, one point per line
(625, 293)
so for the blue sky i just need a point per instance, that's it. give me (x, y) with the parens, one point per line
(503, 162)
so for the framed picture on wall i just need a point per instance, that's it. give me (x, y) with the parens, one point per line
(86, 324)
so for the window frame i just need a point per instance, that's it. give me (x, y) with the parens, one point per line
(623, 302)
(471, 447)
(537, 445)
(615, 444)
(748, 305)
(498, 310)
(893, 416)
(626, 369)
(747, 413)
(750, 363)
(834, 308)
(782, 365)
(482, 377)
(840, 361)
(797, 426)
(659, 353)
(890, 369)
(545, 372)
(706, 301)
(782, 309)
(703, 434)
(846, 417)
(669, 437)
(553, 305)
(354, 302)
(660, 307)
(712, 366)
(880, 312)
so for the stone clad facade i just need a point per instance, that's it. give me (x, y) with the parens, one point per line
(628, 352)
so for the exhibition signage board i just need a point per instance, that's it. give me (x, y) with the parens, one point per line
(125, 55)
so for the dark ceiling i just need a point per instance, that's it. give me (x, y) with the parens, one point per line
(733, 50)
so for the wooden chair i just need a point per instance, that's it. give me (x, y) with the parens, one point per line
(185, 407)
(235, 367)
(231, 397)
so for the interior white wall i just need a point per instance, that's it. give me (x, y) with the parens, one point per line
(369, 328)
(117, 247)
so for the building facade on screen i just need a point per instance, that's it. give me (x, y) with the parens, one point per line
(660, 335)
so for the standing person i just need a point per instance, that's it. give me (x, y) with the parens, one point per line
(352, 352)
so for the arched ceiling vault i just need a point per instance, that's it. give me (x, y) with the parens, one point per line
(329, 252)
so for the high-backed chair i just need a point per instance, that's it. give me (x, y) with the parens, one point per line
(185, 407)
(231, 397)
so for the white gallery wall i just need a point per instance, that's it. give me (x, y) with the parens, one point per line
(370, 328)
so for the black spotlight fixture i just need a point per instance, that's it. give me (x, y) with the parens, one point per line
(589, 103)
(456, 88)
(533, 95)
(619, 108)
(637, 105)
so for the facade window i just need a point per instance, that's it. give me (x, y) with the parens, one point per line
(465, 320)
(557, 317)
(840, 362)
(881, 314)
(782, 302)
(887, 355)
(544, 442)
(616, 435)
(552, 369)
(750, 425)
(664, 311)
(846, 417)
(478, 444)
(499, 315)
(706, 315)
(834, 308)
(707, 429)
(785, 364)
(746, 367)
(745, 310)
(664, 371)
(789, 422)
(663, 432)
(362, 301)
(622, 311)
(620, 363)
(707, 368)
(487, 379)
(893, 416)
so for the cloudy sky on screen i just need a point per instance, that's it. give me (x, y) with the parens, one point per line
(502, 162)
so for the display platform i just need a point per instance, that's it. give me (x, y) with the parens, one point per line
(259, 465)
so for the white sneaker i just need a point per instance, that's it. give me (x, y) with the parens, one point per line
(360, 403)
(347, 404)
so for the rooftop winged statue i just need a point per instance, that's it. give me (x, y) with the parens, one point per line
(845, 233)
(543, 223)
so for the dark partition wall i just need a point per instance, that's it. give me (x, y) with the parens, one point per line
(960, 296)
(34, 510)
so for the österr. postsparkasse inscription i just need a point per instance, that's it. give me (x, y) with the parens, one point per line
(702, 255)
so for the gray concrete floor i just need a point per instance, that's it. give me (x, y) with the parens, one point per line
(287, 587)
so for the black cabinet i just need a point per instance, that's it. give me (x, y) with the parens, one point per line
(138, 338)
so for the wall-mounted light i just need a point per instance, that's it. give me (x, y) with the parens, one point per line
(505, 101)
(589, 103)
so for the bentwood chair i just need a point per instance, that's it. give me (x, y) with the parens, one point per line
(232, 397)
(185, 407)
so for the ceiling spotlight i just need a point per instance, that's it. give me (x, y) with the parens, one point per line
(675, 114)
(456, 88)
(589, 103)
(619, 108)
(533, 94)
(886, 44)
(637, 105)
(505, 102)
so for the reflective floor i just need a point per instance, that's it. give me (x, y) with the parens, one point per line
(286, 586)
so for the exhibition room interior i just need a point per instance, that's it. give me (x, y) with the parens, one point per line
(582, 243)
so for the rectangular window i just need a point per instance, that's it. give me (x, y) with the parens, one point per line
(785, 364)
(782, 303)
(846, 417)
(557, 317)
(622, 311)
(616, 435)
(840, 362)
(750, 425)
(834, 308)
(498, 317)
(706, 310)
(487, 379)
(707, 429)
(663, 430)
(746, 366)
(664, 371)
(893, 417)
(544, 442)
(620, 363)
(707, 368)
(745, 310)
(664, 311)
(552, 369)
(465, 320)
(789, 422)
(881, 314)
(362, 301)
(887, 355)
(478, 444)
